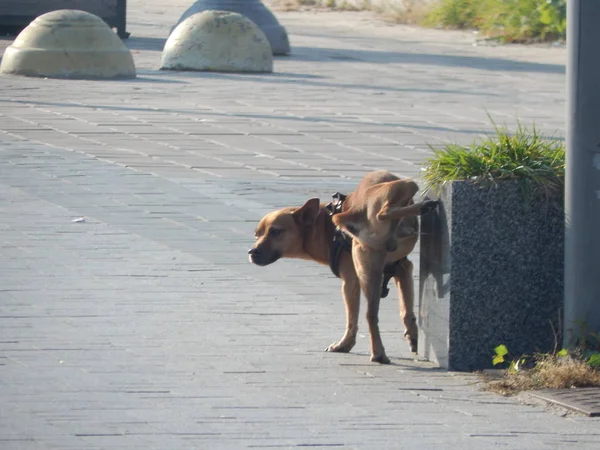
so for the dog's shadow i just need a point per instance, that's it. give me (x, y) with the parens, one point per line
(415, 364)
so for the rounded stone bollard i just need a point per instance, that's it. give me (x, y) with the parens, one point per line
(254, 10)
(68, 43)
(217, 41)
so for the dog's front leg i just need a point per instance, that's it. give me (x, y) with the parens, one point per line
(406, 293)
(351, 294)
(369, 265)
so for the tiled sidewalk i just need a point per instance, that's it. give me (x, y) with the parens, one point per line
(144, 326)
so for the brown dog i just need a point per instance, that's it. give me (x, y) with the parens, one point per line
(381, 216)
(307, 232)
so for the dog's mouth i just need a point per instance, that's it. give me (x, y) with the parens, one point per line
(262, 259)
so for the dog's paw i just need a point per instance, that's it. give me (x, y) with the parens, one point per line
(412, 341)
(414, 345)
(429, 206)
(381, 359)
(340, 347)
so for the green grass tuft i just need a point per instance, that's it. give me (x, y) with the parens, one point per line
(504, 20)
(461, 14)
(536, 163)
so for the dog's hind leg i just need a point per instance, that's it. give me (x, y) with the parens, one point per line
(351, 294)
(369, 268)
(406, 293)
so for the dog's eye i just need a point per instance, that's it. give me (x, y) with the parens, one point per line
(274, 232)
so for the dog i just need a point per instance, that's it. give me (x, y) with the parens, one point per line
(307, 232)
(382, 218)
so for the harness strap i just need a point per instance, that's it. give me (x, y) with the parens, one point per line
(341, 242)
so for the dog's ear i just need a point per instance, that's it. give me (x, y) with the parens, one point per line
(399, 194)
(349, 221)
(343, 218)
(307, 213)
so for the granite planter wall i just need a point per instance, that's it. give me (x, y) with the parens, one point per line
(491, 273)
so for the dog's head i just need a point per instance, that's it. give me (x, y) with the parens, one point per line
(280, 233)
(374, 214)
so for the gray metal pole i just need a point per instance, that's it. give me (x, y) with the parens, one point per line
(582, 201)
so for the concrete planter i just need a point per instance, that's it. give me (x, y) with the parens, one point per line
(491, 273)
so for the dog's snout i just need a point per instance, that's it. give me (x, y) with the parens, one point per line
(262, 257)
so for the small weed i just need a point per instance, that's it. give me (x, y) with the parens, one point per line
(411, 12)
(557, 370)
(461, 14)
